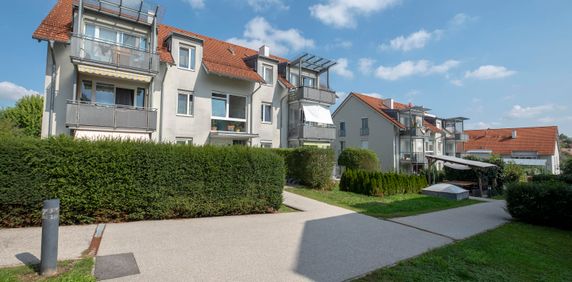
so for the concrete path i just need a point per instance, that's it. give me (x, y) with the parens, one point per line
(463, 222)
(23, 245)
(323, 243)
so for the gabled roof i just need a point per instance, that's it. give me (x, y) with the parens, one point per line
(219, 57)
(377, 105)
(534, 139)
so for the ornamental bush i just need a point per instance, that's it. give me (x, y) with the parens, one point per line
(310, 166)
(357, 158)
(552, 177)
(545, 203)
(375, 183)
(107, 181)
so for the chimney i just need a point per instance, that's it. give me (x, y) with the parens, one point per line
(264, 51)
(388, 103)
(513, 134)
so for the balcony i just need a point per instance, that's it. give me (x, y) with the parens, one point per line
(229, 126)
(94, 51)
(364, 131)
(414, 132)
(140, 11)
(458, 137)
(313, 94)
(412, 157)
(87, 115)
(312, 132)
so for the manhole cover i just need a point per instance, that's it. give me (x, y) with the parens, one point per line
(115, 266)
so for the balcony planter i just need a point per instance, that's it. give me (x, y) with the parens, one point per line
(230, 127)
(237, 129)
(214, 128)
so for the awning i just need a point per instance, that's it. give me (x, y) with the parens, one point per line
(317, 113)
(98, 135)
(232, 135)
(113, 73)
(322, 145)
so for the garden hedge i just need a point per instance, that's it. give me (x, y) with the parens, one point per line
(310, 166)
(552, 177)
(375, 183)
(119, 181)
(545, 203)
(357, 158)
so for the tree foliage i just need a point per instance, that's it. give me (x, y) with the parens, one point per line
(25, 118)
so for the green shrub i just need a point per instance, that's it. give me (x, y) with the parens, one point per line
(310, 166)
(551, 177)
(376, 183)
(116, 181)
(513, 173)
(546, 203)
(357, 158)
(567, 167)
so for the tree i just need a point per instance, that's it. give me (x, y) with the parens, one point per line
(25, 116)
(565, 141)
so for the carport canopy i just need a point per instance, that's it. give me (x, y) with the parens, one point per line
(460, 163)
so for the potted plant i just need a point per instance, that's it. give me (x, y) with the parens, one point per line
(214, 128)
(237, 129)
(230, 127)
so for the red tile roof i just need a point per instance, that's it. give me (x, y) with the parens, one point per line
(285, 82)
(219, 57)
(377, 105)
(536, 139)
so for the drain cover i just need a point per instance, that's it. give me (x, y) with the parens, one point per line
(115, 266)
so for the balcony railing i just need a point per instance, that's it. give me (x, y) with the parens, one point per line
(229, 126)
(314, 132)
(342, 133)
(414, 131)
(413, 157)
(313, 94)
(459, 137)
(87, 115)
(92, 50)
(364, 131)
(141, 11)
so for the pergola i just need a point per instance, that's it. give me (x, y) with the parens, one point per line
(459, 163)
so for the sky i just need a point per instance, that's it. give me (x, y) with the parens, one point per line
(500, 63)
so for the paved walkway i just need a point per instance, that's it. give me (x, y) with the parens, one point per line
(323, 243)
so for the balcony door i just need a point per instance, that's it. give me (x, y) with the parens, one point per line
(124, 96)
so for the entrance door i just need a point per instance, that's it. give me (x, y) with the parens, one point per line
(124, 96)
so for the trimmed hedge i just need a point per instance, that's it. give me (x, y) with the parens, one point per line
(120, 181)
(552, 177)
(375, 183)
(544, 203)
(310, 166)
(357, 158)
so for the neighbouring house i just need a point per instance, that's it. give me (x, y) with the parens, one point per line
(400, 134)
(526, 146)
(114, 71)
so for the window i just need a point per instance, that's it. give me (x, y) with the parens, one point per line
(342, 129)
(104, 93)
(268, 74)
(187, 57)
(429, 146)
(265, 144)
(86, 90)
(308, 81)
(294, 79)
(140, 98)
(364, 144)
(364, 131)
(266, 113)
(184, 141)
(185, 104)
(228, 106)
(114, 36)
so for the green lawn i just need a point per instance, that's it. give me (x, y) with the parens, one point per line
(71, 270)
(386, 207)
(513, 252)
(284, 208)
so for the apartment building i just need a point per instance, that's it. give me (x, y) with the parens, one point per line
(114, 71)
(400, 134)
(530, 147)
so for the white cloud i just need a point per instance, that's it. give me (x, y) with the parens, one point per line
(416, 40)
(456, 82)
(489, 72)
(263, 5)
(12, 92)
(341, 68)
(461, 19)
(343, 13)
(366, 65)
(482, 125)
(410, 68)
(519, 111)
(259, 32)
(196, 4)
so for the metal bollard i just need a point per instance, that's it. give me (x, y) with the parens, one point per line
(50, 226)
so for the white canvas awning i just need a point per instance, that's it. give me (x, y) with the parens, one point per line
(99, 135)
(317, 113)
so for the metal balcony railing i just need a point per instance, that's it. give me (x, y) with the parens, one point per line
(313, 94)
(88, 115)
(342, 133)
(140, 11)
(413, 157)
(93, 50)
(312, 131)
(364, 131)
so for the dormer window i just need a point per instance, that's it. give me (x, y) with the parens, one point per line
(187, 57)
(268, 74)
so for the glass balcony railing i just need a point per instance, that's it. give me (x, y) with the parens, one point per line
(413, 157)
(228, 126)
(98, 51)
(313, 94)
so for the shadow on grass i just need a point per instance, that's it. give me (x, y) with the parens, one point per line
(30, 260)
(406, 207)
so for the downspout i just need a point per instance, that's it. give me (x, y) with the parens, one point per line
(287, 117)
(52, 87)
(162, 102)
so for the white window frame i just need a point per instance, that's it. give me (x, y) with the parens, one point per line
(297, 82)
(192, 50)
(265, 69)
(263, 109)
(226, 117)
(190, 110)
(184, 140)
(141, 38)
(263, 143)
